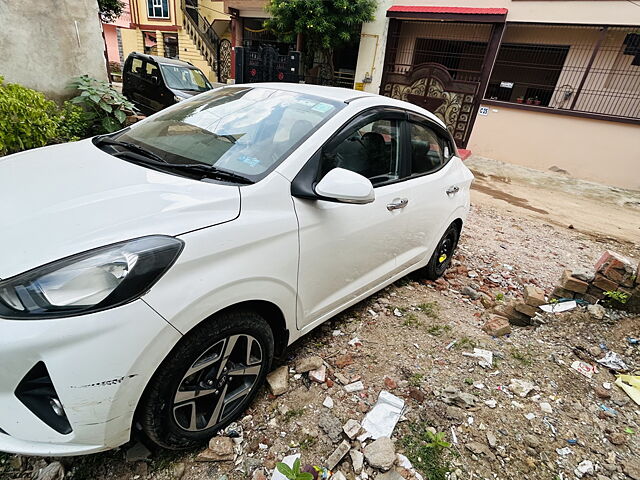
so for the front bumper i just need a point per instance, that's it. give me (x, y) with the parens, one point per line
(99, 365)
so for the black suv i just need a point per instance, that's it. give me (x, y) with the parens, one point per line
(154, 83)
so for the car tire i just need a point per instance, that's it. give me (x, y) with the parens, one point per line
(441, 258)
(215, 370)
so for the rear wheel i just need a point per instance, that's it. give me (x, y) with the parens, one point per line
(208, 379)
(441, 258)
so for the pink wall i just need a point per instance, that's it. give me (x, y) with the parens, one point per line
(111, 39)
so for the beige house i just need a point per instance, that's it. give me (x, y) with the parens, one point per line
(195, 31)
(538, 83)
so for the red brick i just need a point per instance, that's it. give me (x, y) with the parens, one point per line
(590, 298)
(612, 260)
(573, 284)
(596, 292)
(604, 283)
(560, 292)
(623, 277)
(497, 326)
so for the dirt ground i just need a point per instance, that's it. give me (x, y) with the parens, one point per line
(518, 233)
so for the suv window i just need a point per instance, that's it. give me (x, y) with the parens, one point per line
(371, 150)
(137, 66)
(151, 70)
(429, 151)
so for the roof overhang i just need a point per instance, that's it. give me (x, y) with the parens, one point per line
(452, 14)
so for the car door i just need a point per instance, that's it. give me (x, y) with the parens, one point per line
(155, 90)
(436, 187)
(347, 250)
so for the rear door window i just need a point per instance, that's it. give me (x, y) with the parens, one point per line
(429, 150)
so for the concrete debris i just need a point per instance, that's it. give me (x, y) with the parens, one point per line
(521, 387)
(331, 426)
(278, 380)
(328, 402)
(380, 453)
(584, 468)
(221, 449)
(357, 460)
(319, 375)
(354, 387)
(338, 454)
(351, 428)
(307, 364)
(53, 471)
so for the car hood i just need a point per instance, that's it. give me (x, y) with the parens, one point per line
(64, 199)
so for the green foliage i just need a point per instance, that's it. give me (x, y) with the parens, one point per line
(293, 473)
(27, 118)
(105, 108)
(615, 296)
(500, 297)
(110, 9)
(415, 380)
(427, 451)
(523, 357)
(325, 24)
(430, 309)
(72, 123)
(411, 320)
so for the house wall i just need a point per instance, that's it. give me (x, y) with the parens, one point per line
(111, 40)
(597, 150)
(45, 44)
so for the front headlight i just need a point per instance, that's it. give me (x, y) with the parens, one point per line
(91, 281)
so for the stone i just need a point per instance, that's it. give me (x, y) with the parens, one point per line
(381, 453)
(596, 311)
(492, 440)
(521, 387)
(515, 317)
(137, 452)
(470, 292)
(559, 292)
(584, 468)
(390, 475)
(584, 275)
(338, 454)
(528, 310)
(617, 438)
(603, 283)
(308, 363)
(53, 471)
(390, 383)
(631, 468)
(319, 375)
(596, 292)
(338, 476)
(572, 284)
(497, 326)
(351, 428)
(534, 296)
(546, 407)
(357, 460)
(278, 380)
(354, 387)
(177, 470)
(259, 475)
(331, 426)
(452, 396)
(478, 448)
(328, 402)
(341, 378)
(220, 450)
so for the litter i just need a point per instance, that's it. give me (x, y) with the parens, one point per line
(337, 333)
(629, 430)
(584, 468)
(613, 361)
(583, 368)
(530, 416)
(448, 347)
(454, 437)
(559, 306)
(383, 417)
(485, 357)
(606, 409)
(354, 387)
(355, 342)
(631, 385)
(563, 452)
(397, 312)
(572, 441)
(606, 386)
(633, 341)
(546, 421)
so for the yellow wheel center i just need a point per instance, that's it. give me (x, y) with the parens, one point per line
(442, 258)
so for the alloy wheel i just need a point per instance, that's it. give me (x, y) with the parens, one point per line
(217, 382)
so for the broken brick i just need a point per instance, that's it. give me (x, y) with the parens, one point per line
(603, 283)
(514, 316)
(559, 292)
(534, 296)
(497, 326)
(614, 260)
(572, 284)
(528, 310)
(621, 277)
(344, 360)
(596, 292)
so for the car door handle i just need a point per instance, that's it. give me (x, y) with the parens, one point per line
(396, 204)
(453, 190)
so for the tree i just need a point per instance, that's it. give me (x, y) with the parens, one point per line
(110, 9)
(324, 24)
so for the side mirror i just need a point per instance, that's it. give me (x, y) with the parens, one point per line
(346, 186)
(155, 80)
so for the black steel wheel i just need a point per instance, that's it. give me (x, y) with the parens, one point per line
(441, 258)
(208, 380)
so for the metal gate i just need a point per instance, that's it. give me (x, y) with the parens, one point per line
(441, 66)
(263, 63)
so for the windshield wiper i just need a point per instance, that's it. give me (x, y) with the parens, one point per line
(130, 146)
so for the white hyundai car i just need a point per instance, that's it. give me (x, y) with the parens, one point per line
(150, 276)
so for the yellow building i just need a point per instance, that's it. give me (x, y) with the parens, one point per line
(195, 31)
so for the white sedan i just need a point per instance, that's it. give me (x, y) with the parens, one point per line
(150, 276)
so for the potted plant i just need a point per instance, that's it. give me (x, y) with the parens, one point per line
(537, 101)
(530, 101)
(520, 99)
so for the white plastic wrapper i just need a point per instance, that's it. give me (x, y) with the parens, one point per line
(384, 415)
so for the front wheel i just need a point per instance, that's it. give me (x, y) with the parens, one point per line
(207, 380)
(441, 258)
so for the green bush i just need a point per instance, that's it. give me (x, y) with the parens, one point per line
(27, 118)
(72, 123)
(105, 108)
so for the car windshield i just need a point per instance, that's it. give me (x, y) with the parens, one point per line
(184, 78)
(243, 130)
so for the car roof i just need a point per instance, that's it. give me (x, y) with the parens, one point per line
(340, 94)
(163, 60)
